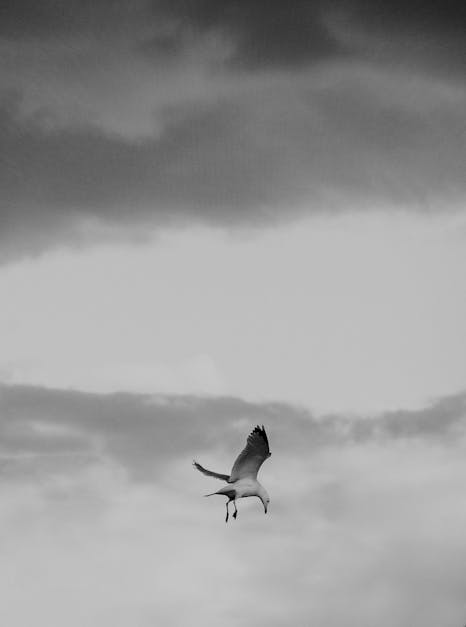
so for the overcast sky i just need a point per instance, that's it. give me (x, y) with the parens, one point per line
(212, 215)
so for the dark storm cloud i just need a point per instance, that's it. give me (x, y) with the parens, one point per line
(228, 164)
(145, 434)
(263, 33)
(426, 36)
(242, 151)
(26, 19)
(279, 34)
(198, 170)
(416, 17)
(193, 164)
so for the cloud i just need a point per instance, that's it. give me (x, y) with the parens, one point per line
(124, 120)
(143, 432)
(426, 22)
(365, 523)
(233, 163)
(263, 34)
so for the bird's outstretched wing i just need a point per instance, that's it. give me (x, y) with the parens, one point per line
(210, 473)
(252, 456)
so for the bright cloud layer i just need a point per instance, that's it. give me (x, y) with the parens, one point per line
(362, 313)
(103, 519)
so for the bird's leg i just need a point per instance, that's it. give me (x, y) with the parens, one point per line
(236, 511)
(228, 513)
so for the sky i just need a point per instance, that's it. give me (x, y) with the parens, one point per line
(215, 215)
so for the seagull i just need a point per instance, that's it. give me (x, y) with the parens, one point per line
(242, 481)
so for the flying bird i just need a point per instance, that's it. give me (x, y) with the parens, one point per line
(242, 481)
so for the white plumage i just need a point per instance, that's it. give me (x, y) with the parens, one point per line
(242, 481)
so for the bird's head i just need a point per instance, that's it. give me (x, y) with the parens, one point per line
(264, 497)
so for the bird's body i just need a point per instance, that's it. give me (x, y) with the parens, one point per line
(241, 488)
(242, 481)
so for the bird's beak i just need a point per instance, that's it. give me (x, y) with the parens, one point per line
(265, 509)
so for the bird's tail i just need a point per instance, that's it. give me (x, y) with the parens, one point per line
(211, 494)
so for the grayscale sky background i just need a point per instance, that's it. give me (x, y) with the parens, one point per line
(212, 215)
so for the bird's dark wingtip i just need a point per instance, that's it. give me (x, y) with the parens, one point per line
(261, 431)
